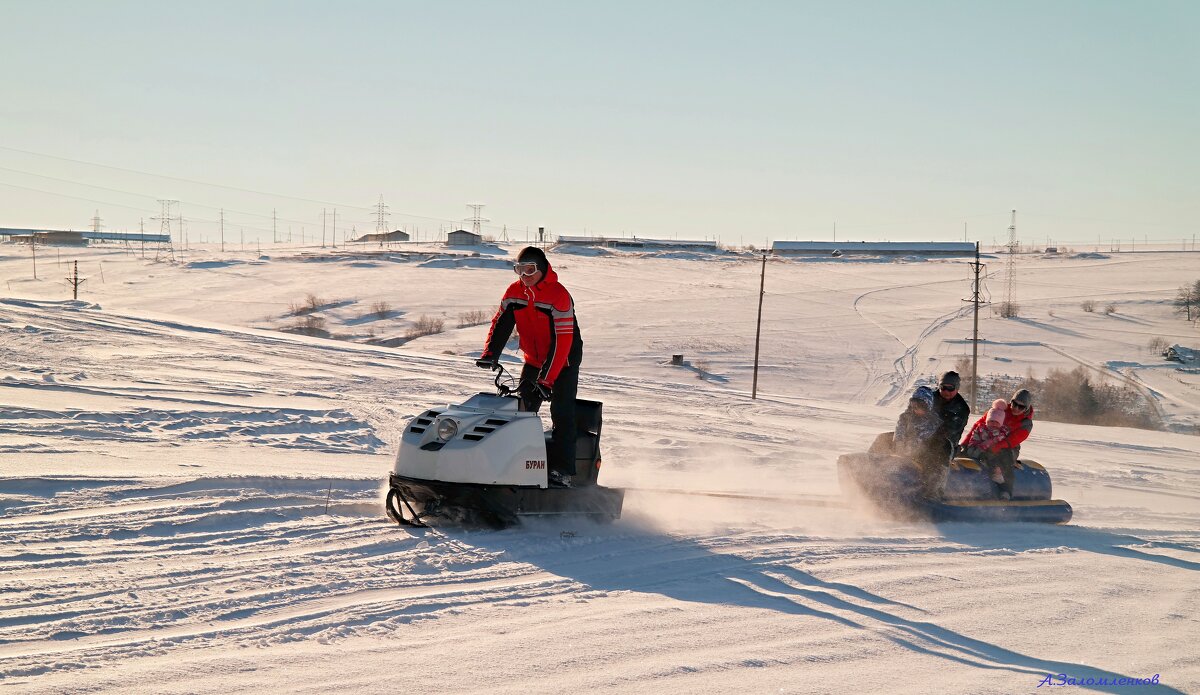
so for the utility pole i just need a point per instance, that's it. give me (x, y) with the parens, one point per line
(142, 233)
(74, 281)
(222, 230)
(333, 229)
(274, 238)
(322, 227)
(762, 283)
(977, 267)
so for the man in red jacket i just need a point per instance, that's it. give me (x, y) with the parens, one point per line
(543, 313)
(1018, 420)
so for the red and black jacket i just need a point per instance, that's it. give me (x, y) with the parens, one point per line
(1019, 426)
(544, 316)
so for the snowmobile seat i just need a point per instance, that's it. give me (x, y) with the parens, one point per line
(588, 420)
(883, 444)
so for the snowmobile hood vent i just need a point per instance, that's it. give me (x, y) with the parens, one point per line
(423, 421)
(482, 430)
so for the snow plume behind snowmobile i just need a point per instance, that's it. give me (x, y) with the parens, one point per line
(964, 492)
(484, 462)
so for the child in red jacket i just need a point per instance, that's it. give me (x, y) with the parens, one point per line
(1001, 451)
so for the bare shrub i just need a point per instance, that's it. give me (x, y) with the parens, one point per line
(381, 309)
(1109, 309)
(311, 325)
(701, 370)
(966, 385)
(1009, 310)
(1088, 305)
(473, 318)
(1158, 345)
(425, 325)
(1073, 397)
(310, 304)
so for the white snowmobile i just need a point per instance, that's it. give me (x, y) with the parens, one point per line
(484, 462)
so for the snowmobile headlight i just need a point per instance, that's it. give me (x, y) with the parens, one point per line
(447, 428)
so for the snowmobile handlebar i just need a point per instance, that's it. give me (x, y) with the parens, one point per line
(506, 382)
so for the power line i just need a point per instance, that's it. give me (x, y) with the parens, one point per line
(205, 183)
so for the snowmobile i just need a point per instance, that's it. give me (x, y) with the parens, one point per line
(962, 491)
(484, 462)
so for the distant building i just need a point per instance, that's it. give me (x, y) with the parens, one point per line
(873, 248)
(397, 235)
(638, 243)
(45, 237)
(582, 240)
(56, 237)
(461, 237)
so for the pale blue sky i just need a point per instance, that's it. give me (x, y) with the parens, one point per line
(743, 121)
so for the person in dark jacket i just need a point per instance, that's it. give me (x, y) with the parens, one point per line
(917, 425)
(1018, 421)
(952, 408)
(543, 313)
(916, 437)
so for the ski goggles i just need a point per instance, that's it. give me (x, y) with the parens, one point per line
(525, 269)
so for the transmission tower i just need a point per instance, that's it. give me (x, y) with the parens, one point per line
(475, 220)
(381, 214)
(164, 228)
(96, 223)
(1010, 265)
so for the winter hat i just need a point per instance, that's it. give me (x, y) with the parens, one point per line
(995, 416)
(532, 254)
(924, 396)
(1022, 397)
(951, 378)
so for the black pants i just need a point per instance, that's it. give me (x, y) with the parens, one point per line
(932, 458)
(1006, 459)
(561, 453)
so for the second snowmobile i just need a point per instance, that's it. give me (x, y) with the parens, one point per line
(962, 491)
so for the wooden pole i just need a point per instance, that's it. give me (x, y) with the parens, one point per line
(762, 283)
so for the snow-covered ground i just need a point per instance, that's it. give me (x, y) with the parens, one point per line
(190, 498)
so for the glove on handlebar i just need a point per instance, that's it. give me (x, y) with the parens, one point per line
(535, 389)
(490, 363)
